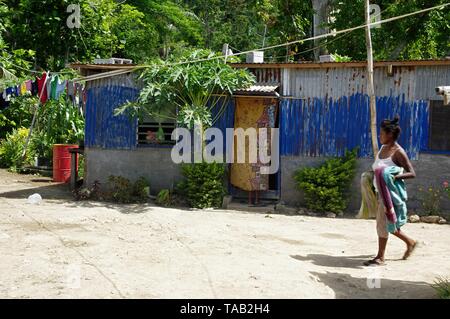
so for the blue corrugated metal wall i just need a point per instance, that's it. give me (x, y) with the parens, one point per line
(313, 127)
(103, 129)
(226, 120)
(326, 127)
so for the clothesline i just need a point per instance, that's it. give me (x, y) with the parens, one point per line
(47, 87)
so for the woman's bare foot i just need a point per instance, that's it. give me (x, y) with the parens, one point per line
(410, 250)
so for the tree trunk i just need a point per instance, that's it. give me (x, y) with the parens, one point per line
(370, 84)
(320, 20)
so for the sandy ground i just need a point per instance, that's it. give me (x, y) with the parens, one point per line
(67, 249)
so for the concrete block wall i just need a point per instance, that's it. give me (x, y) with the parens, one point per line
(432, 170)
(155, 164)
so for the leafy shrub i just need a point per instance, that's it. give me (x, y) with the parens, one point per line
(18, 114)
(58, 122)
(203, 185)
(122, 190)
(141, 189)
(431, 200)
(11, 150)
(164, 198)
(86, 193)
(442, 287)
(326, 187)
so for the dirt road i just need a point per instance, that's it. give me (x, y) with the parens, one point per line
(67, 249)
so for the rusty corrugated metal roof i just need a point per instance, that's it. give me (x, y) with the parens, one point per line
(101, 66)
(352, 64)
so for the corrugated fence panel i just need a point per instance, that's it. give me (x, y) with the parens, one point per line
(225, 106)
(103, 129)
(327, 127)
(416, 83)
(224, 111)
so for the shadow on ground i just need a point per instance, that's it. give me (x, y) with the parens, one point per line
(347, 287)
(62, 192)
(334, 261)
(51, 191)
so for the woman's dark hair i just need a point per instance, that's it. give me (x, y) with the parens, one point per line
(392, 126)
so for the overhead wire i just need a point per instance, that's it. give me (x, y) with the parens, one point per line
(322, 36)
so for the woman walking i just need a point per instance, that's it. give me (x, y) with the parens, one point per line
(391, 167)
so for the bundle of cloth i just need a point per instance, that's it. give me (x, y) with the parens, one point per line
(392, 193)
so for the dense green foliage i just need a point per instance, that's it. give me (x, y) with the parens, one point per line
(122, 190)
(11, 150)
(164, 198)
(203, 185)
(190, 87)
(58, 122)
(33, 33)
(326, 187)
(19, 114)
(423, 36)
(442, 287)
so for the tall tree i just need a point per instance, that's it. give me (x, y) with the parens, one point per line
(423, 36)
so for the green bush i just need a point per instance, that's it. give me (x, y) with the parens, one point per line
(431, 198)
(122, 190)
(442, 287)
(141, 189)
(164, 198)
(326, 187)
(11, 150)
(58, 122)
(203, 185)
(18, 114)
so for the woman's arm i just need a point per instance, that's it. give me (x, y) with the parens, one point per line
(401, 159)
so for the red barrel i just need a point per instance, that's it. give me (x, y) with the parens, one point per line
(61, 162)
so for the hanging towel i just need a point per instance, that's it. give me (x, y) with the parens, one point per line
(50, 85)
(34, 88)
(71, 91)
(369, 203)
(3, 103)
(8, 93)
(60, 88)
(29, 85)
(42, 88)
(23, 88)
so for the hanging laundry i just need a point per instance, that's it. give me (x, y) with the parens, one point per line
(42, 88)
(50, 86)
(60, 88)
(78, 95)
(3, 103)
(23, 88)
(71, 91)
(34, 88)
(8, 93)
(29, 85)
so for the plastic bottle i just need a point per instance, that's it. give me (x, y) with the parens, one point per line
(34, 199)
